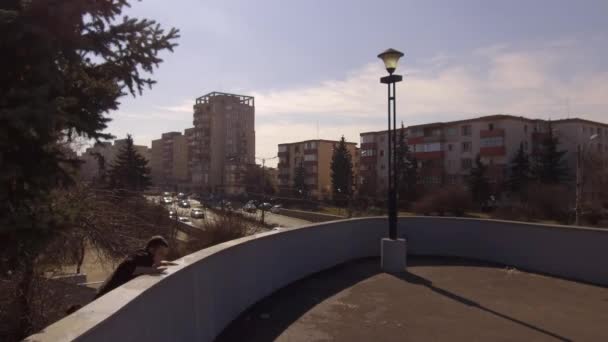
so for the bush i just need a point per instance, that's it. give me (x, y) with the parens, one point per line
(549, 202)
(454, 200)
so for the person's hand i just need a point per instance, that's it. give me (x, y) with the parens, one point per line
(168, 263)
(158, 270)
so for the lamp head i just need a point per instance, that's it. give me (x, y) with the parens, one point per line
(390, 58)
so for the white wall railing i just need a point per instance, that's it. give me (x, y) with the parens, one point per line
(198, 298)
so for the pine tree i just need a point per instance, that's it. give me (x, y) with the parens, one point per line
(130, 170)
(299, 181)
(478, 183)
(341, 171)
(407, 169)
(520, 172)
(549, 166)
(65, 64)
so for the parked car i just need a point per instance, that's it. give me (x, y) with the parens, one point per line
(265, 206)
(223, 204)
(166, 200)
(249, 208)
(181, 196)
(172, 214)
(276, 208)
(184, 219)
(184, 204)
(197, 213)
(167, 194)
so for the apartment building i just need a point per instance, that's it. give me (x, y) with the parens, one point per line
(446, 151)
(108, 151)
(315, 156)
(223, 142)
(167, 159)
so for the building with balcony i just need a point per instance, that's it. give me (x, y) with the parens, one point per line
(315, 157)
(445, 151)
(169, 160)
(222, 142)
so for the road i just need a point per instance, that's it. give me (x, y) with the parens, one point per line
(271, 218)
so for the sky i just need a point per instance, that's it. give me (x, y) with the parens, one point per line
(313, 68)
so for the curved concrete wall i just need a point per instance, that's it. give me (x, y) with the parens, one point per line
(209, 288)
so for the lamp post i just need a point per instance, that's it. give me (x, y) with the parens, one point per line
(393, 250)
(580, 152)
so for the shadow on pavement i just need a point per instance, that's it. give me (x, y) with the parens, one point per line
(268, 318)
(415, 279)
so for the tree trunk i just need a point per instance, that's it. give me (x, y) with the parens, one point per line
(23, 296)
(80, 256)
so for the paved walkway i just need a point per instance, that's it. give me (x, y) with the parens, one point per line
(438, 300)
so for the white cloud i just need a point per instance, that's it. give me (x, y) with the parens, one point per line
(540, 81)
(497, 79)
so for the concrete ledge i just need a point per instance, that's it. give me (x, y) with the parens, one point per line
(195, 300)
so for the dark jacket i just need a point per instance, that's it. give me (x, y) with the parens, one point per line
(124, 271)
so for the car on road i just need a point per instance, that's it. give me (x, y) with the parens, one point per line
(172, 214)
(166, 200)
(249, 208)
(276, 208)
(197, 213)
(184, 219)
(184, 204)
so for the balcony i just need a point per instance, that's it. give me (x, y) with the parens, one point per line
(429, 155)
(311, 151)
(498, 132)
(368, 146)
(284, 154)
(492, 151)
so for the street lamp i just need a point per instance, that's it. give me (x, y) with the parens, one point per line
(580, 150)
(393, 249)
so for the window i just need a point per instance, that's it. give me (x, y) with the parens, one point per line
(310, 145)
(599, 131)
(492, 142)
(428, 147)
(466, 130)
(382, 139)
(467, 146)
(367, 138)
(525, 128)
(297, 148)
(382, 167)
(310, 157)
(381, 153)
(450, 131)
(491, 127)
(368, 153)
(466, 163)
(450, 147)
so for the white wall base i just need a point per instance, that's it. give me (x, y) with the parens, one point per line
(393, 255)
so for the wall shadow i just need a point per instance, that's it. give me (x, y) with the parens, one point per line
(271, 316)
(415, 279)
(268, 318)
